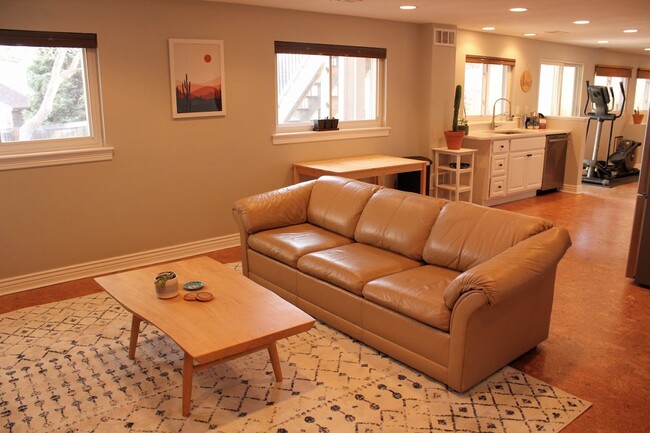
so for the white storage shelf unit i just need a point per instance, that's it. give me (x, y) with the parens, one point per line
(453, 173)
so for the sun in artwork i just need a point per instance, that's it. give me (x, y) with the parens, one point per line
(207, 58)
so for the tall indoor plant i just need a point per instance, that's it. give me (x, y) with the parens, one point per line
(455, 136)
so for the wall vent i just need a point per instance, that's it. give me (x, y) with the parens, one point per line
(444, 37)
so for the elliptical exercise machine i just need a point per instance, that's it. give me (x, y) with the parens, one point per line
(619, 164)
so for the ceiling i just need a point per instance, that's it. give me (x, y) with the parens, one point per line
(550, 20)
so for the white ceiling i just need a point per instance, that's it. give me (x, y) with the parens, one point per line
(551, 20)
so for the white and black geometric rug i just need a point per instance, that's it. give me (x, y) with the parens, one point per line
(64, 368)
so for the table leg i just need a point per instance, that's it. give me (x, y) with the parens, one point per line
(188, 372)
(275, 361)
(296, 175)
(423, 180)
(135, 329)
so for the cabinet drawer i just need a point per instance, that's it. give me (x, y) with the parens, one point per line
(499, 165)
(500, 146)
(497, 186)
(523, 144)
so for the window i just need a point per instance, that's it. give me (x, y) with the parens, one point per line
(642, 94)
(316, 81)
(611, 77)
(49, 99)
(486, 80)
(559, 89)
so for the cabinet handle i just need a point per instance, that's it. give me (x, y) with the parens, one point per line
(500, 165)
(530, 154)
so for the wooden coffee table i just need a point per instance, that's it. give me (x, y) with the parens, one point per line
(243, 317)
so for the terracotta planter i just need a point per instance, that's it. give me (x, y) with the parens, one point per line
(454, 139)
(637, 118)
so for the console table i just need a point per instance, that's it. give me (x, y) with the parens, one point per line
(360, 167)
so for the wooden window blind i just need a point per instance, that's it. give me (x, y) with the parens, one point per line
(30, 38)
(643, 73)
(613, 71)
(282, 47)
(489, 60)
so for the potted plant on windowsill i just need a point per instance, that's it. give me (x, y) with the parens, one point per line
(455, 136)
(637, 117)
(166, 285)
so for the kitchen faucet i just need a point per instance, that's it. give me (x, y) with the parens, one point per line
(494, 107)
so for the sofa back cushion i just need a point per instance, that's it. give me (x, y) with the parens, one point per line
(336, 203)
(466, 235)
(398, 221)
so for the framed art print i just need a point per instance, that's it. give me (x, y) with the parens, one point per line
(197, 78)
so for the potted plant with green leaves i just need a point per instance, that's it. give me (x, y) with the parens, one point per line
(637, 117)
(166, 285)
(455, 136)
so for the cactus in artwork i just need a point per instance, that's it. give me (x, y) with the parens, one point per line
(186, 87)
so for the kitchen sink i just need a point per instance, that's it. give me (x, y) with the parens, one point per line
(510, 132)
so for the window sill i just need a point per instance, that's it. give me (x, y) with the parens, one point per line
(341, 134)
(44, 159)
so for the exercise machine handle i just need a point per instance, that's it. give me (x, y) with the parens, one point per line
(620, 113)
(587, 101)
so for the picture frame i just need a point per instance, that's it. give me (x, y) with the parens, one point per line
(197, 78)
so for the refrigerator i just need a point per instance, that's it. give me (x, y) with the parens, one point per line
(638, 265)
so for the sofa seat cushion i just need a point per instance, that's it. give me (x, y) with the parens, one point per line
(351, 266)
(288, 244)
(417, 293)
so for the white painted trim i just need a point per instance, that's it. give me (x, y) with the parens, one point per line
(115, 264)
(341, 134)
(44, 159)
(571, 189)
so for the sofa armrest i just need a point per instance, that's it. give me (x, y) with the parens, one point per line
(504, 275)
(279, 208)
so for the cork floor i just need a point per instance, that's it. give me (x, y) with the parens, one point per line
(598, 348)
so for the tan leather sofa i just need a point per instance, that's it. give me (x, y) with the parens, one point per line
(453, 289)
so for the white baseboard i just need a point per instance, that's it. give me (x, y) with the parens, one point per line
(115, 264)
(572, 189)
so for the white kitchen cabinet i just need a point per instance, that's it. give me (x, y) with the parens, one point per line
(507, 169)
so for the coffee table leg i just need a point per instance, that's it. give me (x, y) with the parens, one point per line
(135, 328)
(188, 371)
(275, 361)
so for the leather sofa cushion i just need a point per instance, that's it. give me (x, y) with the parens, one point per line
(352, 266)
(417, 293)
(336, 203)
(288, 244)
(279, 208)
(398, 221)
(466, 235)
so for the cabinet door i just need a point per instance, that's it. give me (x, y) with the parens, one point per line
(517, 172)
(534, 169)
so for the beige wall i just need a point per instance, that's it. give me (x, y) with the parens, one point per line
(174, 181)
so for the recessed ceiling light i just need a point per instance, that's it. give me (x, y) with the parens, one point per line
(646, 49)
(630, 31)
(581, 22)
(408, 7)
(530, 34)
(489, 28)
(518, 9)
(603, 42)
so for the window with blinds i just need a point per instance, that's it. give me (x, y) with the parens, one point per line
(487, 79)
(50, 91)
(319, 81)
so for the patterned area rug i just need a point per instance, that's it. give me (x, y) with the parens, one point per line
(64, 368)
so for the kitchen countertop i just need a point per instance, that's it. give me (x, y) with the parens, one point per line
(517, 133)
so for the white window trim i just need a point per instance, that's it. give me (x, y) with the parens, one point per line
(44, 153)
(580, 67)
(341, 134)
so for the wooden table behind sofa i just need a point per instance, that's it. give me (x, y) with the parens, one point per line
(361, 167)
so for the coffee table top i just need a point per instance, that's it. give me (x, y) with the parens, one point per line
(242, 316)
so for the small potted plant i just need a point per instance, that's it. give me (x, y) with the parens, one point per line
(166, 285)
(455, 136)
(637, 117)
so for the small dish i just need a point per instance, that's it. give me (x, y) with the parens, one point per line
(204, 296)
(193, 285)
(190, 297)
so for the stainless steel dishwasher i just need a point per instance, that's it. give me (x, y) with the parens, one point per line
(554, 162)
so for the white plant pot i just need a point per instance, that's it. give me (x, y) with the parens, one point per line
(169, 291)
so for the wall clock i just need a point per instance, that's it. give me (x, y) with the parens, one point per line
(526, 81)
